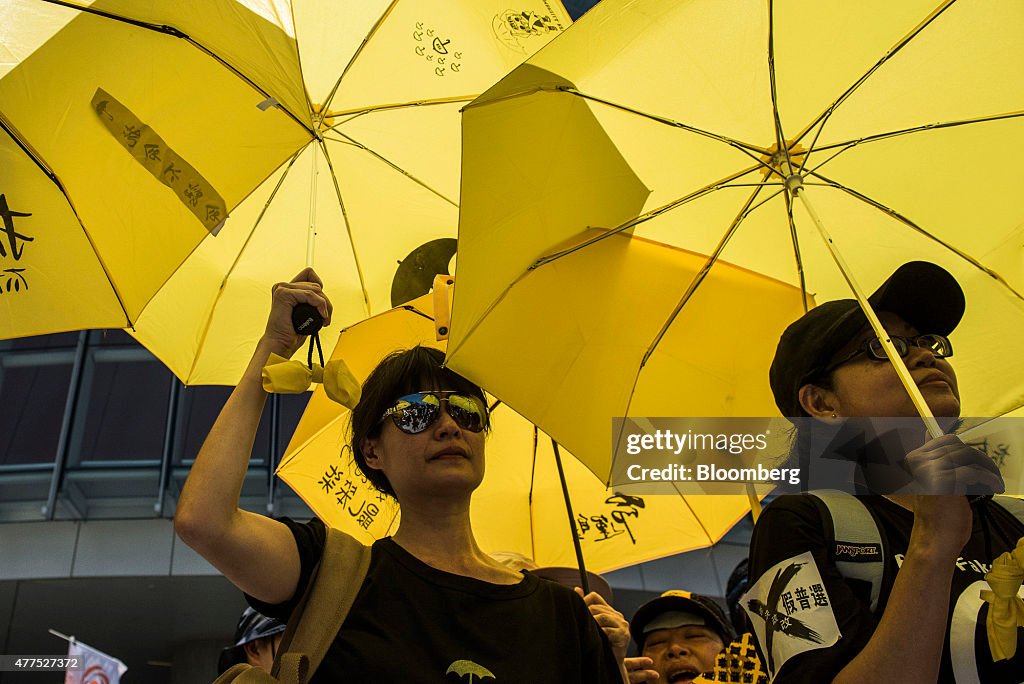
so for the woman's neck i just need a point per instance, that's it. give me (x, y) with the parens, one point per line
(442, 537)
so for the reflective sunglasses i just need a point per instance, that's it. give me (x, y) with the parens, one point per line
(414, 413)
(938, 345)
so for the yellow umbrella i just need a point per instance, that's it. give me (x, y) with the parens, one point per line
(338, 122)
(747, 131)
(519, 507)
(121, 148)
(369, 194)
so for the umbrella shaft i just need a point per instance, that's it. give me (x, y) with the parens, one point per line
(901, 368)
(584, 583)
(311, 236)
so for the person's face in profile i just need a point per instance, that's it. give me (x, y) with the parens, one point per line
(863, 386)
(681, 654)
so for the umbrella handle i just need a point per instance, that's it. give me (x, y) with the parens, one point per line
(897, 362)
(584, 583)
(443, 305)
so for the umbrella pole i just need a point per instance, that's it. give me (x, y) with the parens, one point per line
(311, 234)
(795, 185)
(584, 584)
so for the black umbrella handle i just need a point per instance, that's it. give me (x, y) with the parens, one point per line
(584, 582)
(306, 320)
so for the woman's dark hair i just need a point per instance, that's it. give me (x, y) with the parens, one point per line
(400, 373)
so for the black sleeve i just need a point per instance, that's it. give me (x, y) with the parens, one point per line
(310, 539)
(789, 527)
(599, 664)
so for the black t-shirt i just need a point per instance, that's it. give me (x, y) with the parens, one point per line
(413, 623)
(791, 532)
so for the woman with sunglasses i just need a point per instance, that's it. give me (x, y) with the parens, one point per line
(820, 613)
(433, 607)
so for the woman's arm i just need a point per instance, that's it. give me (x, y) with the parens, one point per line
(256, 553)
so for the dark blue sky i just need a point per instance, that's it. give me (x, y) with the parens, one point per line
(576, 8)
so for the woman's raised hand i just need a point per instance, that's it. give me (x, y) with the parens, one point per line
(306, 288)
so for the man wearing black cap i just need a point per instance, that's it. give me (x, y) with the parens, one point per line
(681, 633)
(880, 588)
(256, 641)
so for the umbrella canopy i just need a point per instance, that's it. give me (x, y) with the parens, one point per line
(758, 129)
(122, 147)
(362, 185)
(519, 507)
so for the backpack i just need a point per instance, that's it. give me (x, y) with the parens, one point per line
(853, 533)
(316, 619)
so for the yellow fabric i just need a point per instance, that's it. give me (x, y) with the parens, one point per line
(661, 120)
(293, 377)
(330, 129)
(1006, 608)
(101, 232)
(519, 507)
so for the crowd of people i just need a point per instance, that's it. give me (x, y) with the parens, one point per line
(881, 586)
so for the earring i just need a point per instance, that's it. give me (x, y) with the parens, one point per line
(833, 415)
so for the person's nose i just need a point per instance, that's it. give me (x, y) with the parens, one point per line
(920, 357)
(678, 649)
(446, 427)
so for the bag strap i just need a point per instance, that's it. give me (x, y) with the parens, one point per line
(853, 524)
(317, 618)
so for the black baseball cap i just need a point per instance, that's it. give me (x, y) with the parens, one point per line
(251, 626)
(678, 608)
(926, 296)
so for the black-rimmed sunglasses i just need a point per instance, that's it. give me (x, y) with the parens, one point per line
(938, 345)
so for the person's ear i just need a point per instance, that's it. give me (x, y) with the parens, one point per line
(252, 652)
(369, 448)
(818, 402)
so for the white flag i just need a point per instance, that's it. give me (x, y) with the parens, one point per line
(95, 667)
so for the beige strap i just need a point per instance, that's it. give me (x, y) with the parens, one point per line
(342, 571)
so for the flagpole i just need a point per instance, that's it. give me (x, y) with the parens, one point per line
(65, 637)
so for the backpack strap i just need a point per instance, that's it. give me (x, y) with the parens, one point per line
(856, 542)
(314, 624)
(1012, 505)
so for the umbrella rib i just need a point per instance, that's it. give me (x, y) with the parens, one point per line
(237, 259)
(396, 167)
(746, 148)
(915, 227)
(348, 228)
(780, 139)
(359, 50)
(822, 118)
(647, 216)
(360, 111)
(703, 528)
(698, 279)
(36, 158)
(841, 147)
(176, 33)
(8, 128)
(298, 65)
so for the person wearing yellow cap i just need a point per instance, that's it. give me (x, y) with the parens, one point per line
(680, 635)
